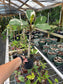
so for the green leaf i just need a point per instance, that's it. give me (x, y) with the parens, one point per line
(19, 73)
(44, 26)
(21, 78)
(15, 22)
(29, 70)
(28, 82)
(40, 20)
(23, 22)
(43, 65)
(29, 14)
(11, 35)
(35, 82)
(56, 80)
(36, 67)
(15, 72)
(39, 78)
(32, 76)
(32, 19)
(33, 51)
(50, 81)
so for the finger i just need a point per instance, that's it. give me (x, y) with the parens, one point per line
(25, 61)
(23, 56)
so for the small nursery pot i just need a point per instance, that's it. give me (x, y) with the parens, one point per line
(48, 41)
(58, 61)
(54, 40)
(54, 49)
(36, 41)
(41, 43)
(60, 46)
(45, 46)
(35, 37)
(60, 53)
(52, 45)
(40, 35)
(29, 64)
(45, 52)
(51, 55)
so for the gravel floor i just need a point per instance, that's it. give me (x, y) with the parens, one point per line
(2, 50)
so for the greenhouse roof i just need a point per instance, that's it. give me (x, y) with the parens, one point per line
(16, 6)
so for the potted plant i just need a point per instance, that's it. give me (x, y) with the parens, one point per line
(32, 22)
(58, 61)
(51, 54)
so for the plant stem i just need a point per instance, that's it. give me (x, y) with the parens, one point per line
(29, 44)
(30, 32)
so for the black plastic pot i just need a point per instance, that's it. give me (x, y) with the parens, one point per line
(41, 43)
(29, 64)
(45, 52)
(51, 55)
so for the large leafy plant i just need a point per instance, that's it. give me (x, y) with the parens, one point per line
(33, 22)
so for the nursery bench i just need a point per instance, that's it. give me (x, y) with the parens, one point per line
(54, 34)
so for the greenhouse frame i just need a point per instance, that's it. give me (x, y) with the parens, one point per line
(39, 25)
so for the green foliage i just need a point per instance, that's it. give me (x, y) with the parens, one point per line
(35, 82)
(28, 82)
(30, 15)
(29, 71)
(43, 65)
(21, 78)
(33, 51)
(32, 19)
(3, 22)
(23, 23)
(23, 43)
(15, 71)
(54, 14)
(36, 67)
(44, 26)
(49, 81)
(40, 20)
(15, 22)
(31, 77)
(19, 73)
(4, 33)
(15, 43)
(45, 76)
(56, 80)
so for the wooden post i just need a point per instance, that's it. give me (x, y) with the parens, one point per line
(48, 35)
(61, 19)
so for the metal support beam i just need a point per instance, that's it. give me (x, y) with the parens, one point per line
(16, 6)
(50, 6)
(25, 4)
(22, 4)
